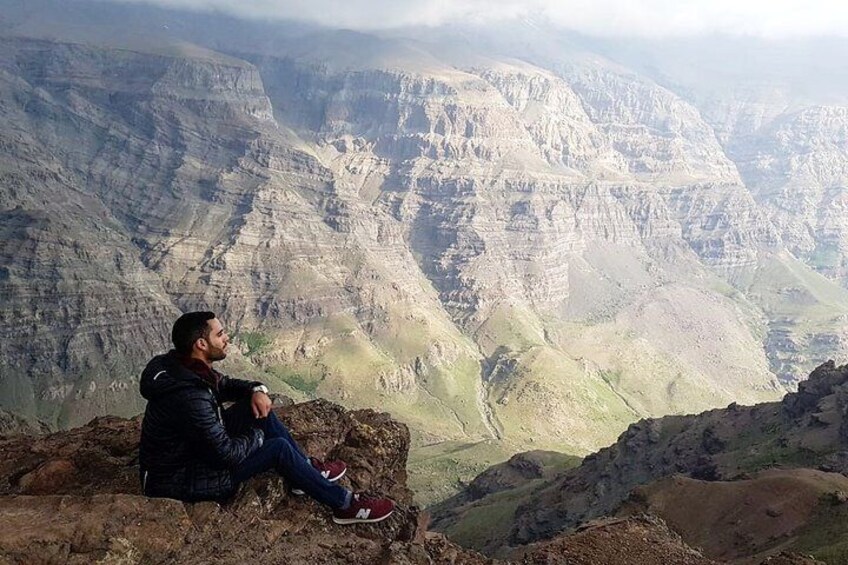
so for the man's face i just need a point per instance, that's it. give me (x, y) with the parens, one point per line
(216, 342)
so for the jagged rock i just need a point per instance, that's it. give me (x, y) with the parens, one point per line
(821, 383)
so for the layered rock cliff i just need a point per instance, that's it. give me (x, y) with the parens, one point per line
(504, 251)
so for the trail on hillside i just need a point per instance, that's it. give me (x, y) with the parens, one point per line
(489, 419)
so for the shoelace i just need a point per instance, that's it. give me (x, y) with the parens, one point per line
(362, 497)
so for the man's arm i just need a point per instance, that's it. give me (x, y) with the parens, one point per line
(233, 390)
(207, 435)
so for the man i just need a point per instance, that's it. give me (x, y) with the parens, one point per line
(192, 449)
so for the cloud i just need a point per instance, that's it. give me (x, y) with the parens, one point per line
(645, 18)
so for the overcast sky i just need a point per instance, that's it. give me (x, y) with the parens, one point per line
(647, 18)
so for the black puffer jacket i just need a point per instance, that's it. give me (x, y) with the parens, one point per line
(186, 453)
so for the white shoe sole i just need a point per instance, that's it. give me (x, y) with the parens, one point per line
(342, 474)
(298, 492)
(344, 521)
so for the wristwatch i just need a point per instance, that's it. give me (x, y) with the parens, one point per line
(260, 388)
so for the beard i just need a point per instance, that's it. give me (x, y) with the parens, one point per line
(216, 354)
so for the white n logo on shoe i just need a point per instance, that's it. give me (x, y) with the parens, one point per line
(363, 513)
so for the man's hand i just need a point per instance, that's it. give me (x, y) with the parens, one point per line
(261, 404)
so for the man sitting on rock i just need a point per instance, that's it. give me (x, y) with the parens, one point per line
(192, 449)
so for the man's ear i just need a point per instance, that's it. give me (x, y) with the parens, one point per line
(201, 344)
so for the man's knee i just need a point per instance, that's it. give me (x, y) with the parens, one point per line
(284, 450)
(272, 418)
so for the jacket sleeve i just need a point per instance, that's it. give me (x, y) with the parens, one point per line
(207, 436)
(233, 390)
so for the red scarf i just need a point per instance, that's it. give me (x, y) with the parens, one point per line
(209, 375)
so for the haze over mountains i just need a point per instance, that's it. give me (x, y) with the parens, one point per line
(510, 238)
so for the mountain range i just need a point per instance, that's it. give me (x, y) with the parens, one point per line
(510, 241)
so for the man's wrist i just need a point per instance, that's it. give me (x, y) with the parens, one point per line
(260, 388)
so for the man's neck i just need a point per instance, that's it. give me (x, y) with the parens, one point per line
(198, 357)
(202, 368)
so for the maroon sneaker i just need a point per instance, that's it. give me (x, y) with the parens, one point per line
(330, 470)
(363, 510)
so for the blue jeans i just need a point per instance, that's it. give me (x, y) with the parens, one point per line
(282, 454)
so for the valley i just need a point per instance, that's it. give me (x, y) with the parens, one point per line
(507, 248)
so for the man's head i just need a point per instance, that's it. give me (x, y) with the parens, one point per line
(200, 335)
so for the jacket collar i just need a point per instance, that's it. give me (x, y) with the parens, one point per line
(206, 373)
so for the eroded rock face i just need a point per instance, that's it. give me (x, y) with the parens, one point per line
(73, 497)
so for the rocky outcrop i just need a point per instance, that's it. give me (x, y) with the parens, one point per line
(519, 469)
(81, 489)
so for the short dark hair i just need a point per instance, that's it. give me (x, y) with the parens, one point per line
(188, 328)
